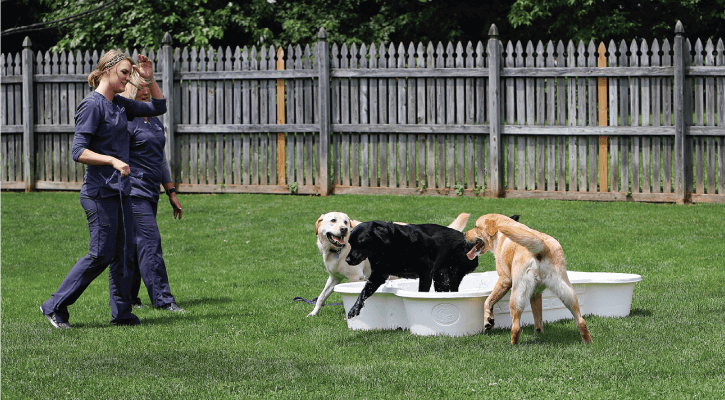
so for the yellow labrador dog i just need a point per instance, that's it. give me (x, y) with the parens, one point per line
(527, 262)
(333, 229)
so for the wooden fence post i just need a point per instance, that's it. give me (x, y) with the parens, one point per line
(167, 76)
(679, 110)
(603, 140)
(323, 65)
(28, 117)
(494, 106)
(281, 143)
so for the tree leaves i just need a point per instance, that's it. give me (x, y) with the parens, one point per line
(204, 23)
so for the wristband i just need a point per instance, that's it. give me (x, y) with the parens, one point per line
(169, 191)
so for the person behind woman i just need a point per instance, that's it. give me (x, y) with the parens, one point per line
(102, 143)
(149, 170)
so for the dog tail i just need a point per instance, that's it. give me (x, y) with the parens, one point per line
(525, 237)
(460, 222)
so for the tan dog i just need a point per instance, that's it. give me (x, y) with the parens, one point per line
(333, 229)
(527, 262)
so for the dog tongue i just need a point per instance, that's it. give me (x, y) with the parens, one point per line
(472, 254)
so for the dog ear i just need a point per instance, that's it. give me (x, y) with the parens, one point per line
(318, 223)
(515, 217)
(382, 232)
(490, 227)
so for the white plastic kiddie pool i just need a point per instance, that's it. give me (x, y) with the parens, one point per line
(398, 304)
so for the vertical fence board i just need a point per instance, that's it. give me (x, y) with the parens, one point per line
(645, 93)
(345, 117)
(481, 107)
(614, 115)
(667, 144)
(4, 103)
(402, 118)
(459, 118)
(656, 96)
(383, 117)
(470, 158)
(572, 118)
(203, 119)
(550, 120)
(720, 62)
(635, 95)
(440, 119)
(363, 108)
(392, 119)
(540, 120)
(710, 108)
(430, 118)
(582, 118)
(412, 108)
(219, 119)
(335, 114)
(374, 118)
(561, 115)
(65, 160)
(354, 139)
(246, 99)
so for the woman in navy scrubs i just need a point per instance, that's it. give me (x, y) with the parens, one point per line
(149, 170)
(101, 142)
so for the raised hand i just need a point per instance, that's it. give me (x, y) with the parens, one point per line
(145, 67)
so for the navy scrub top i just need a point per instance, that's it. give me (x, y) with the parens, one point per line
(149, 168)
(101, 127)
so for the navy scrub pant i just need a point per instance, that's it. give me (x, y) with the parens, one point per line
(149, 257)
(110, 233)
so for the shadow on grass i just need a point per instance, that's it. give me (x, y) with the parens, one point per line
(155, 320)
(555, 333)
(194, 302)
(356, 337)
(151, 316)
(639, 312)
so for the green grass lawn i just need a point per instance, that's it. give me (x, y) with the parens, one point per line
(236, 262)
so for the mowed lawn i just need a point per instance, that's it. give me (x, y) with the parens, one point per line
(237, 261)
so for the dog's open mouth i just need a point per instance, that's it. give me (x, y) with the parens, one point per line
(336, 241)
(475, 250)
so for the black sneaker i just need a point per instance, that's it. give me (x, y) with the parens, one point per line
(126, 322)
(139, 305)
(54, 321)
(172, 307)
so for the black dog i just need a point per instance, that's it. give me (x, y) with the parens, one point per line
(430, 252)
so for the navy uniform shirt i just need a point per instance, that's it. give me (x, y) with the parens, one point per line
(101, 128)
(149, 168)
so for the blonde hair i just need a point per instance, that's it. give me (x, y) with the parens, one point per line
(110, 59)
(132, 86)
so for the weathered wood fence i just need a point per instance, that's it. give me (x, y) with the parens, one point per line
(629, 121)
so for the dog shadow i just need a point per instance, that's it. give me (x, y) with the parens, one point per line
(555, 333)
(640, 312)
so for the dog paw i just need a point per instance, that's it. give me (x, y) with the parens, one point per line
(354, 312)
(312, 314)
(489, 324)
